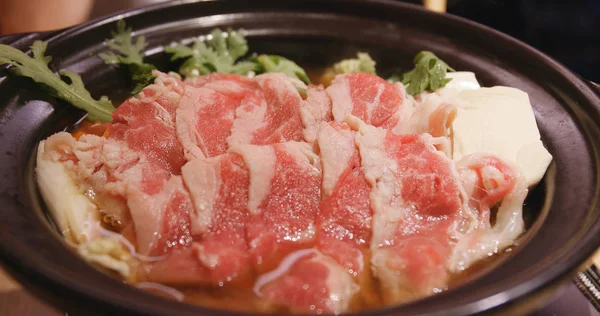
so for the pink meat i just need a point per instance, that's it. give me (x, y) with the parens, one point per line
(146, 123)
(204, 121)
(207, 111)
(252, 207)
(183, 267)
(309, 282)
(219, 189)
(367, 97)
(344, 220)
(161, 219)
(271, 116)
(416, 199)
(283, 202)
(219, 111)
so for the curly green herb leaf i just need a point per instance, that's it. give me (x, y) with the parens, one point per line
(130, 53)
(219, 53)
(142, 76)
(275, 63)
(362, 63)
(73, 91)
(429, 74)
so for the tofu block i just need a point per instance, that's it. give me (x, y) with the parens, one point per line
(500, 121)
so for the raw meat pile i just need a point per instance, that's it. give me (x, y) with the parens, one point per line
(310, 198)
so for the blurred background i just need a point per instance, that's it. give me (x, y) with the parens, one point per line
(569, 31)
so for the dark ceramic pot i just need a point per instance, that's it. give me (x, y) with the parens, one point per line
(562, 212)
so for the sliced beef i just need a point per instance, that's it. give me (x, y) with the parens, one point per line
(146, 123)
(416, 198)
(367, 97)
(283, 202)
(207, 111)
(272, 117)
(161, 219)
(252, 207)
(220, 111)
(344, 220)
(309, 282)
(204, 121)
(219, 189)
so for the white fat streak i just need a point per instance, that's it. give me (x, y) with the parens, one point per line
(341, 102)
(370, 142)
(313, 111)
(303, 155)
(282, 85)
(260, 161)
(377, 100)
(310, 122)
(290, 83)
(163, 115)
(185, 124)
(202, 177)
(249, 117)
(283, 267)
(163, 288)
(226, 86)
(337, 147)
(404, 111)
(380, 171)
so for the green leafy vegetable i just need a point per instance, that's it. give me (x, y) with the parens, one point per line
(142, 76)
(274, 63)
(429, 74)
(129, 53)
(219, 53)
(68, 87)
(362, 63)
